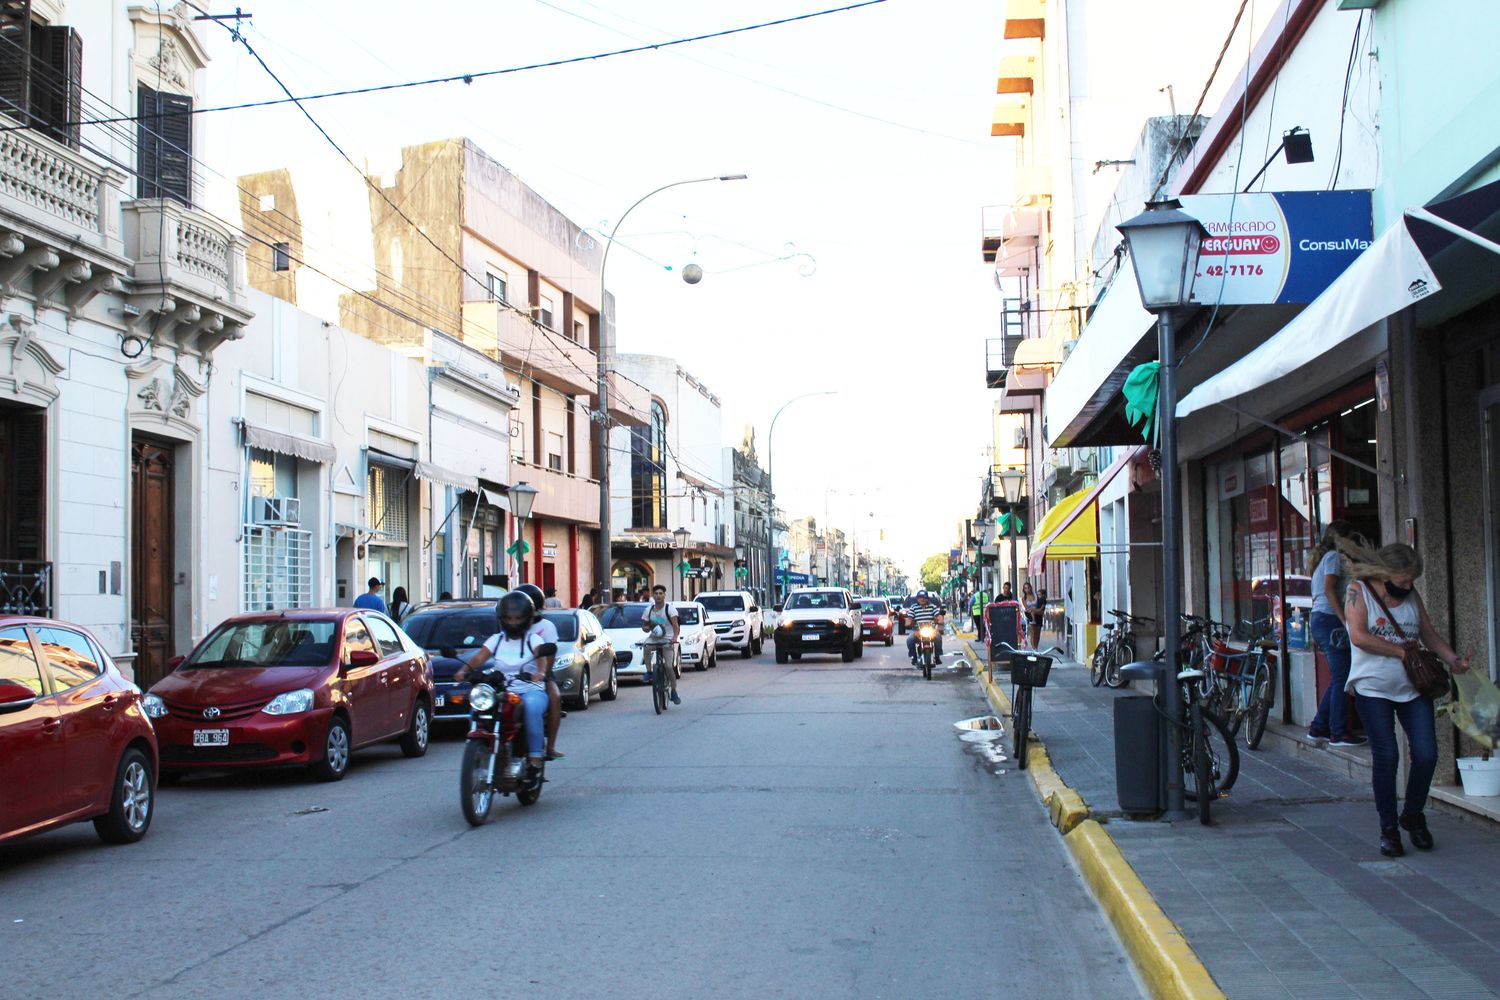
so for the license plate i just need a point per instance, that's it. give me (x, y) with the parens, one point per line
(210, 737)
(810, 638)
(438, 701)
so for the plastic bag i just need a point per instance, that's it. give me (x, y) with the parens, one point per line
(1476, 710)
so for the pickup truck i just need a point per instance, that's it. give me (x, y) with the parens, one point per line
(819, 620)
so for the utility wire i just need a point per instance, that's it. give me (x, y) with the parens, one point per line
(1177, 147)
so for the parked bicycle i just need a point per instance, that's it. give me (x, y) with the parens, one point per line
(1028, 669)
(1238, 685)
(1116, 648)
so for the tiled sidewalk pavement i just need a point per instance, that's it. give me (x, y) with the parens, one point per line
(1286, 895)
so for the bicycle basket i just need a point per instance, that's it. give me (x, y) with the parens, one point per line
(1030, 669)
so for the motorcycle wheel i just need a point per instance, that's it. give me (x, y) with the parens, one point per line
(474, 794)
(927, 666)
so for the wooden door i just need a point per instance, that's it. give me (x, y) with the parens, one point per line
(151, 559)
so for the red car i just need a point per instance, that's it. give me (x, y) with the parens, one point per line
(878, 621)
(293, 687)
(75, 743)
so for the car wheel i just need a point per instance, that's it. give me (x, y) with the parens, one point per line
(584, 694)
(414, 743)
(745, 651)
(334, 763)
(756, 645)
(781, 655)
(848, 653)
(890, 640)
(612, 689)
(131, 803)
(859, 650)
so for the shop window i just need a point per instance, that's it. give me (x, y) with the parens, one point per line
(385, 498)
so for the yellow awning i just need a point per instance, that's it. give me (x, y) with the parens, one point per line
(1067, 532)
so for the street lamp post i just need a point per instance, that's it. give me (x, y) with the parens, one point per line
(771, 494)
(603, 551)
(1012, 481)
(681, 536)
(522, 496)
(1164, 242)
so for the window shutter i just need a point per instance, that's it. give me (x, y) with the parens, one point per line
(146, 145)
(57, 83)
(15, 57)
(164, 146)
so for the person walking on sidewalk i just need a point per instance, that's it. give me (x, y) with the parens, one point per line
(1329, 587)
(976, 611)
(1384, 613)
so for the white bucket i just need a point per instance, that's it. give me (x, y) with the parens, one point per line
(1480, 777)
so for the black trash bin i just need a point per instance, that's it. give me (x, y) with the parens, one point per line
(1138, 755)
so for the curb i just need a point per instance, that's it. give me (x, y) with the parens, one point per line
(1165, 961)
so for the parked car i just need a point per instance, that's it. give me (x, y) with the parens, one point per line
(819, 620)
(74, 742)
(698, 638)
(903, 613)
(736, 620)
(448, 631)
(622, 625)
(585, 662)
(282, 688)
(876, 622)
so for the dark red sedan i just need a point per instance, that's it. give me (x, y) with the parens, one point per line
(877, 620)
(74, 741)
(293, 687)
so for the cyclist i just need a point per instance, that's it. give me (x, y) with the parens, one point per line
(924, 611)
(518, 647)
(662, 615)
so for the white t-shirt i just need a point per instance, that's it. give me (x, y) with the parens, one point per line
(515, 656)
(1376, 676)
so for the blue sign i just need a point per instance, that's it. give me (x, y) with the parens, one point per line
(1281, 247)
(795, 578)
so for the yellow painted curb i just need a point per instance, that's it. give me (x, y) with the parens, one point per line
(1167, 964)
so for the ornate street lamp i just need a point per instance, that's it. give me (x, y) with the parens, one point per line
(1012, 483)
(1164, 242)
(681, 537)
(522, 496)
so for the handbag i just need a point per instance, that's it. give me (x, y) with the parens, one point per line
(1424, 668)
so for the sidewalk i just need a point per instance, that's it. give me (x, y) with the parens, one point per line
(1286, 894)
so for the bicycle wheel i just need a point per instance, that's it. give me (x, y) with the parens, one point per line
(659, 684)
(1223, 756)
(1020, 720)
(1120, 652)
(1261, 696)
(1098, 662)
(1203, 778)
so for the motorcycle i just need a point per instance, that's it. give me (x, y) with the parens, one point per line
(927, 640)
(494, 758)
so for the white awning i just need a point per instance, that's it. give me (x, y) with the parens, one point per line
(287, 443)
(1389, 276)
(428, 472)
(1096, 369)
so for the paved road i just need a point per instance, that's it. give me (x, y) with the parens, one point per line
(803, 831)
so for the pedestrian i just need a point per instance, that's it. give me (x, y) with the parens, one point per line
(1028, 606)
(1385, 615)
(399, 604)
(589, 600)
(1006, 593)
(1038, 614)
(371, 599)
(618, 596)
(1329, 588)
(550, 600)
(976, 611)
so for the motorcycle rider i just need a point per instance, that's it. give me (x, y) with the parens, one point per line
(924, 611)
(519, 648)
(548, 632)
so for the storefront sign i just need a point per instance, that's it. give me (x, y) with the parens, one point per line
(1277, 247)
(1231, 479)
(549, 550)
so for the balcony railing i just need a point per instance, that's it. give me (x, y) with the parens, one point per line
(26, 588)
(560, 495)
(538, 352)
(173, 245)
(55, 187)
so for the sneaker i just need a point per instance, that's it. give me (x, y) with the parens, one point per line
(1390, 843)
(676, 700)
(1348, 741)
(648, 677)
(1316, 739)
(1415, 825)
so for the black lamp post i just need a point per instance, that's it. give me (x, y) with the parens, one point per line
(1164, 242)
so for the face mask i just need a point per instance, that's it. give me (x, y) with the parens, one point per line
(1399, 593)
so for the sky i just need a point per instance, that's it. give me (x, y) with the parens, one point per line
(865, 138)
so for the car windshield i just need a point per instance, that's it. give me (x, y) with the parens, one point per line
(873, 607)
(816, 599)
(622, 616)
(687, 616)
(566, 623)
(278, 643)
(722, 602)
(456, 628)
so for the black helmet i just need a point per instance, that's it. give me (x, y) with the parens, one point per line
(534, 592)
(515, 613)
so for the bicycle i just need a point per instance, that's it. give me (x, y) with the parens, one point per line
(1208, 760)
(661, 690)
(1028, 669)
(1239, 685)
(1116, 648)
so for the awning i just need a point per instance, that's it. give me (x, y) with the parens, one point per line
(287, 443)
(430, 473)
(1117, 337)
(1036, 352)
(386, 458)
(1071, 528)
(1395, 272)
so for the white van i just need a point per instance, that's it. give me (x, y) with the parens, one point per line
(735, 616)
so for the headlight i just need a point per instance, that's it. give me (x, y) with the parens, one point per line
(885, 622)
(737, 622)
(154, 707)
(783, 624)
(481, 697)
(290, 702)
(927, 632)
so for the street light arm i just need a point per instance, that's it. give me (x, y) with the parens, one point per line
(610, 242)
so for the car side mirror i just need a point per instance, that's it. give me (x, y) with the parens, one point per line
(174, 663)
(15, 697)
(588, 638)
(363, 658)
(777, 608)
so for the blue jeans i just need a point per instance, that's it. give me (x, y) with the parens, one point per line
(534, 711)
(1333, 640)
(1380, 715)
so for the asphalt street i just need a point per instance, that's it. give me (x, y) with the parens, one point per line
(813, 830)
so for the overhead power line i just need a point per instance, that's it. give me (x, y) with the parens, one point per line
(468, 78)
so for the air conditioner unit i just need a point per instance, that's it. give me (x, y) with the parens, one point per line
(280, 511)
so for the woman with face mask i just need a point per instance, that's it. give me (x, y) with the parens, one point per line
(1383, 611)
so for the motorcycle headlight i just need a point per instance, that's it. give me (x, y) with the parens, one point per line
(928, 632)
(153, 706)
(290, 702)
(481, 697)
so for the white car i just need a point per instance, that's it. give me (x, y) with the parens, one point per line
(696, 635)
(736, 620)
(622, 627)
